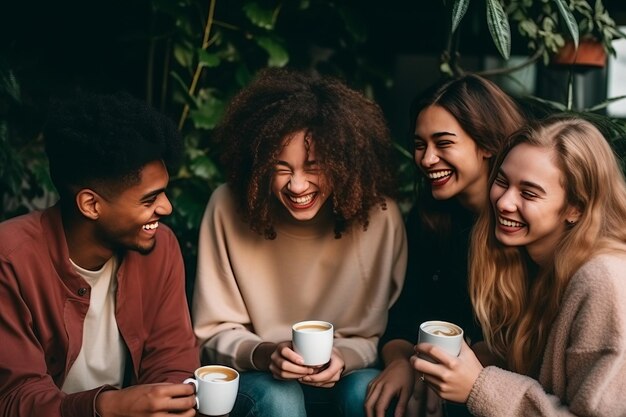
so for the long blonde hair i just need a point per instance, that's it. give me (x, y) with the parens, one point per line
(515, 305)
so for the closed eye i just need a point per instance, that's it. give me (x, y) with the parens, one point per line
(501, 182)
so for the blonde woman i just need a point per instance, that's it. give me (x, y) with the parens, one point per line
(547, 282)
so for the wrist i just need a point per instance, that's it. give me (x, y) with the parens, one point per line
(397, 350)
(261, 356)
(102, 401)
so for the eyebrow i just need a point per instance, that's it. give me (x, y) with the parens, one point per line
(307, 163)
(435, 135)
(525, 182)
(152, 194)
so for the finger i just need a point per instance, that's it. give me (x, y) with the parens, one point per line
(373, 391)
(436, 353)
(371, 400)
(182, 403)
(180, 390)
(382, 405)
(403, 399)
(280, 373)
(289, 354)
(422, 366)
(326, 375)
(284, 365)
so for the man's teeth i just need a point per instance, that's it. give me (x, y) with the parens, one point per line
(302, 200)
(151, 226)
(439, 174)
(509, 223)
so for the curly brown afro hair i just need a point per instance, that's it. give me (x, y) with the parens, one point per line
(352, 144)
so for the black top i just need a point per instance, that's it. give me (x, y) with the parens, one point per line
(435, 287)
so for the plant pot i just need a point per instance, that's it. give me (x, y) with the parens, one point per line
(590, 53)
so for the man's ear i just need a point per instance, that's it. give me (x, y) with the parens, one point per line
(88, 203)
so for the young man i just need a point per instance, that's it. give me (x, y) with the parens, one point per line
(94, 319)
(305, 229)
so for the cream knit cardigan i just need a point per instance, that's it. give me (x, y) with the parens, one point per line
(583, 372)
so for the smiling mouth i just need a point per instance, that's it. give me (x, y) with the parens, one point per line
(303, 201)
(439, 177)
(150, 226)
(509, 223)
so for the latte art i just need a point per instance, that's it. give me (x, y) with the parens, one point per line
(217, 375)
(442, 330)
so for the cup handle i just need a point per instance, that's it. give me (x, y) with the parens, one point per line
(193, 382)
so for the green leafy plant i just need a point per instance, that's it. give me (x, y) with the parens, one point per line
(546, 24)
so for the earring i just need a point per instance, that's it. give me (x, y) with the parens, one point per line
(571, 222)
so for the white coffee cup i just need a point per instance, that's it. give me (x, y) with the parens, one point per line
(313, 340)
(216, 389)
(447, 336)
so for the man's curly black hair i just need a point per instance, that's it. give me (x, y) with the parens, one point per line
(350, 134)
(102, 141)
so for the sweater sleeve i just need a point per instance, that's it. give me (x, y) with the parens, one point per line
(220, 318)
(585, 360)
(361, 352)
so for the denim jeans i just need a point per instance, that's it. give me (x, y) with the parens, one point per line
(260, 395)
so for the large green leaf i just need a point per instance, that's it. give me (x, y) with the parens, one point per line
(570, 20)
(183, 55)
(204, 167)
(498, 23)
(278, 56)
(262, 17)
(458, 11)
(208, 113)
(208, 60)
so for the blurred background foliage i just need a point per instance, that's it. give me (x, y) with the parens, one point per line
(189, 57)
(185, 57)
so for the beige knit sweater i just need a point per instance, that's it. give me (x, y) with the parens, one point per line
(583, 372)
(250, 289)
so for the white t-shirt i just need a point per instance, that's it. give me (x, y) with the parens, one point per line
(103, 353)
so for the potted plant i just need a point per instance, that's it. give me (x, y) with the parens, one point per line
(550, 26)
(587, 40)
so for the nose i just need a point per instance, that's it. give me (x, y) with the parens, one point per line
(428, 158)
(506, 202)
(298, 183)
(163, 205)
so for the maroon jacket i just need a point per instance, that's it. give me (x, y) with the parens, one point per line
(43, 303)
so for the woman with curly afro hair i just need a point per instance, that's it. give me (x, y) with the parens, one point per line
(305, 228)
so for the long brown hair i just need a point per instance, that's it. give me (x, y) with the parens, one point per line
(515, 303)
(485, 112)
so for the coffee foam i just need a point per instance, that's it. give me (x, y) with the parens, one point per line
(312, 328)
(441, 330)
(216, 375)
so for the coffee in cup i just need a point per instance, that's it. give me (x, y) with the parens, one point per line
(313, 340)
(216, 389)
(447, 336)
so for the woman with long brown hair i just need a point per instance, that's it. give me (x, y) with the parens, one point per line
(457, 129)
